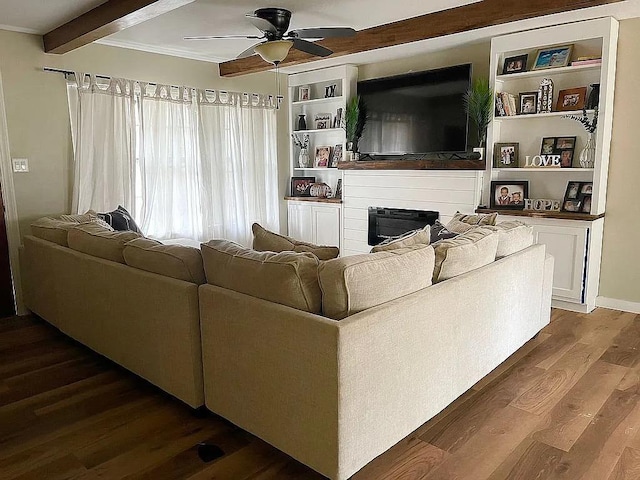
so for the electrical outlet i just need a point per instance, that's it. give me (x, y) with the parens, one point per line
(20, 165)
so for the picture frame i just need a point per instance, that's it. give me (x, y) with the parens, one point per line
(571, 99)
(553, 57)
(577, 197)
(304, 93)
(506, 155)
(562, 146)
(528, 103)
(336, 156)
(301, 186)
(338, 193)
(509, 194)
(322, 156)
(322, 121)
(515, 64)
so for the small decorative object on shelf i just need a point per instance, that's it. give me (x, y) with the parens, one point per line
(515, 64)
(545, 96)
(338, 193)
(330, 90)
(509, 194)
(302, 122)
(588, 153)
(571, 99)
(577, 197)
(355, 119)
(594, 97)
(528, 103)
(323, 120)
(320, 190)
(304, 93)
(337, 120)
(303, 144)
(323, 154)
(336, 156)
(587, 60)
(505, 155)
(542, 161)
(478, 102)
(542, 205)
(300, 186)
(553, 57)
(505, 104)
(563, 147)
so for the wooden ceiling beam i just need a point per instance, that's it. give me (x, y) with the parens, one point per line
(110, 17)
(481, 14)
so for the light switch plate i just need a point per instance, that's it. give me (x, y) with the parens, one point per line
(20, 165)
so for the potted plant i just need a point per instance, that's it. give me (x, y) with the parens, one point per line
(355, 119)
(478, 103)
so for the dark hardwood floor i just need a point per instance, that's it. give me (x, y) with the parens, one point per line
(564, 407)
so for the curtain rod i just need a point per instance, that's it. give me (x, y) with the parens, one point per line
(279, 98)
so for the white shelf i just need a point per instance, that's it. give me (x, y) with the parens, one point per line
(316, 101)
(318, 169)
(543, 169)
(321, 130)
(548, 72)
(540, 115)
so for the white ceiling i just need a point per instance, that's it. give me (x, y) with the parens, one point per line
(164, 34)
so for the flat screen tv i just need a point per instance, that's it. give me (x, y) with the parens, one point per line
(416, 114)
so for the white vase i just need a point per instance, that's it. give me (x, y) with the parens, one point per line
(588, 153)
(303, 158)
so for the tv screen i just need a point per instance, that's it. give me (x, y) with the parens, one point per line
(417, 113)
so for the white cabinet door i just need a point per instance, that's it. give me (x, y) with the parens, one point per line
(300, 221)
(326, 225)
(568, 246)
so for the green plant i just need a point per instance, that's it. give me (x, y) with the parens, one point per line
(355, 118)
(478, 103)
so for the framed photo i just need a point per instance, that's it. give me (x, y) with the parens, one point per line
(577, 197)
(336, 156)
(509, 194)
(323, 156)
(561, 146)
(300, 186)
(505, 155)
(323, 120)
(304, 93)
(571, 99)
(553, 57)
(338, 193)
(528, 103)
(515, 64)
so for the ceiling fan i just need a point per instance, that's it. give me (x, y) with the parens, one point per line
(274, 23)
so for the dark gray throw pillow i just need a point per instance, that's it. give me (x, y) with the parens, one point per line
(440, 232)
(120, 219)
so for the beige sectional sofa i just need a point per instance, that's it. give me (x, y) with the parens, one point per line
(76, 278)
(335, 393)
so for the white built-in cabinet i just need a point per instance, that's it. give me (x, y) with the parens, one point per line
(575, 240)
(314, 222)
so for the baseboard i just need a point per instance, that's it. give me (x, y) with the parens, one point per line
(615, 304)
(571, 306)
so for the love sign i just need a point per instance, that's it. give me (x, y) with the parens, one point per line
(542, 161)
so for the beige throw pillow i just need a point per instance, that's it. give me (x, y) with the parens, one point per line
(175, 261)
(266, 241)
(473, 249)
(414, 237)
(479, 219)
(355, 283)
(513, 236)
(93, 239)
(287, 278)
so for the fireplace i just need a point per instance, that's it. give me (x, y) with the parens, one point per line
(385, 222)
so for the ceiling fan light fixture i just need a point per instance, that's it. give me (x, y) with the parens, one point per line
(274, 51)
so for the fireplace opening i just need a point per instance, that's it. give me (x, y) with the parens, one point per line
(385, 222)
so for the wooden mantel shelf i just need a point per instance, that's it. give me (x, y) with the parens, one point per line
(403, 164)
(538, 214)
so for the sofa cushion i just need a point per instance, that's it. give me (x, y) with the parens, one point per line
(175, 261)
(266, 241)
(93, 239)
(120, 219)
(468, 251)
(355, 283)
(476, 220)
(421, 236)
(513, 236)
(52, 230)
(287, 278)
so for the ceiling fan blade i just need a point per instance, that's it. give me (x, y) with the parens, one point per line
(249, 51)
(312, 48)
(326, 32)
(210, 37)
(261, 24)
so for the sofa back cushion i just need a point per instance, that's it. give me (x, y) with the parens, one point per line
(355, 283)
(267, 241)
(96, 240)
(287, 278)
(513, 236)
(468, 251)
(175, 261)
(52, 230)
(421, 236)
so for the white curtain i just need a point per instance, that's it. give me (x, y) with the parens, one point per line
(104, 143)
(188, 163)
